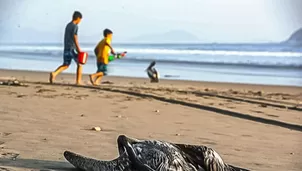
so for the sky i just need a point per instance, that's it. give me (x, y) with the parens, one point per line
(212, 21)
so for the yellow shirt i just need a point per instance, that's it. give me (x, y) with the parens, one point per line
(102, 51)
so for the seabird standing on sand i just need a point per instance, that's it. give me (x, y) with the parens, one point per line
(152, 73)
(154, 155)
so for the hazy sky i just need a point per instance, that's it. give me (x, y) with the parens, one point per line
(209, 20)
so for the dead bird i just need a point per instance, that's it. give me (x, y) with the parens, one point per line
(154, 155)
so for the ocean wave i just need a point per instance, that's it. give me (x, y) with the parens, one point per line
(198, 57)
(159, 51)
(243, 61)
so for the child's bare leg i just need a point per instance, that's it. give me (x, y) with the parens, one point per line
(93, 76)
(99, 78)
(79, 74)
(54, 74)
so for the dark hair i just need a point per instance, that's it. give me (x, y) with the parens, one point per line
(76, 15)
(106, 32)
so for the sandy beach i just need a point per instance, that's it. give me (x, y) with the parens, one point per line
(252, 126)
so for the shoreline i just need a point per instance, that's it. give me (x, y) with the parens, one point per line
(37, 75)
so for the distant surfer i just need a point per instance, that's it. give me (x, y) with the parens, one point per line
(152, 73)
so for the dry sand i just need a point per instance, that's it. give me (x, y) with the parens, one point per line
(252, 126)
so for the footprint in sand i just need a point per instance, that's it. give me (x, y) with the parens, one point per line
(274, 116)
(107, 82)
(37, 87)
(21, 95)
(45, 90)
(5, 134)
(69, 88)
(231, 107)
(124, 107)
(256, 111)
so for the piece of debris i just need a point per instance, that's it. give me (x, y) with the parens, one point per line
(96, 128)
(14, 82)
(21, 95)
(45, 90)
(258, 93)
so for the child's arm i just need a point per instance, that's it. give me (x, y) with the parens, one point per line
(77, 43)
(112, 51)
(75, 36)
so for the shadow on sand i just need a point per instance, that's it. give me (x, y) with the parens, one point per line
(188, 104)
(42, 165)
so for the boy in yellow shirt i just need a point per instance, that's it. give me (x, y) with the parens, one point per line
(102, 51)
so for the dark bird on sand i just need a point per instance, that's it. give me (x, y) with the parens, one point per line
(153, 73)
(154, 155)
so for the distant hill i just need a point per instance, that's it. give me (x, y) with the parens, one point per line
(295, 38)
(174, 36)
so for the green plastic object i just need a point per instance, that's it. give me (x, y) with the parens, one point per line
(112, 57)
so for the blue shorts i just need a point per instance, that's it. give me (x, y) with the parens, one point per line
(102, 68)
(68, 56)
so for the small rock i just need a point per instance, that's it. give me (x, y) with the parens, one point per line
(235, 92)
(263, 105)
(20, 95)
(82, 115)
(258, 93)
(157, 111)
(119, 116)
(96, 128)
(292, 153)
(177, 134)
(206, 89)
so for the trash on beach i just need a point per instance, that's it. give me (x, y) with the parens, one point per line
(96, 128)
(11, 82)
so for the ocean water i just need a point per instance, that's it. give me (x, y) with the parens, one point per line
(270, 64)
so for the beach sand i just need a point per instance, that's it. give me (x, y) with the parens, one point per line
(251, 126)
